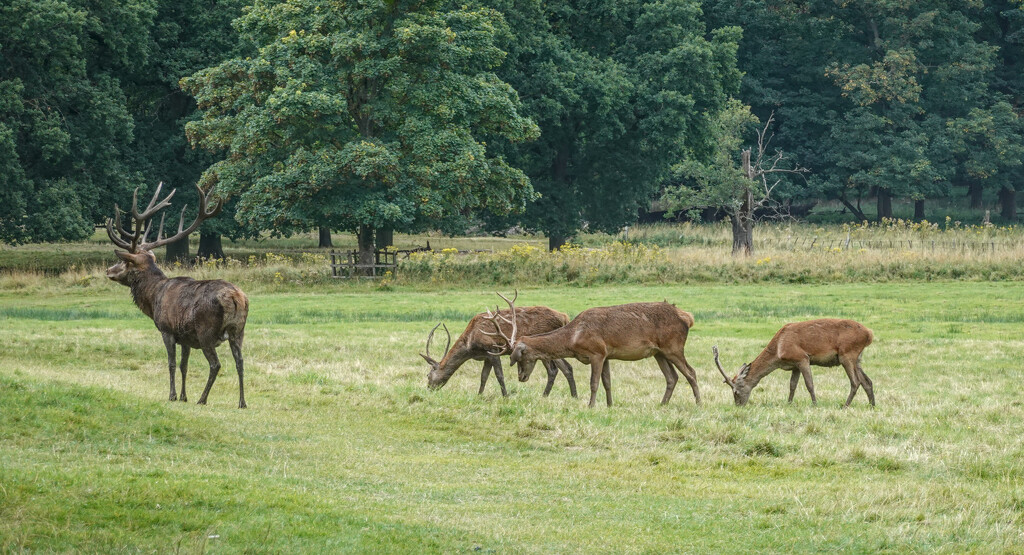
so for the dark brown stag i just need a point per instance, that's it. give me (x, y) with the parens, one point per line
(193, 314)
(798, 346)
(476, 343)
(624, 332)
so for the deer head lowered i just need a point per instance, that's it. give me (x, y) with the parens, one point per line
(624, 332)
(194, 314)
(797, 346)
(476, 343)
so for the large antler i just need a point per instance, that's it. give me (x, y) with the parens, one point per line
(714, 349)
(143, 225)
(509, 341)
(431, 336)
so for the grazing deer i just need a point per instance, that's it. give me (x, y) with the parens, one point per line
(194, 314)
(624, 332)
(475, 343)
(797, 346)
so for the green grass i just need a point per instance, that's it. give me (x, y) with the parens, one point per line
(344, 449)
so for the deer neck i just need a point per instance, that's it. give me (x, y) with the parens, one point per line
(145, 288)
(764, 364)
(552, 345)
(453, 359)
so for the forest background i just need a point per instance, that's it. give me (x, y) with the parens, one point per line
(550, 117)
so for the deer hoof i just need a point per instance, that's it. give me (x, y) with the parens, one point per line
(183, 399)
(242, 405)
(173, 397)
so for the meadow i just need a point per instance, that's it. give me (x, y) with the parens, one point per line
(344, 449)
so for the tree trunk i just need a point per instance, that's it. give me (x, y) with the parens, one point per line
(365, 238)
(743, 219)
(918, 210)
(974, 191)
(325, 238)
(855, 210)
(884, 204)
(209, 246)
(385, 237)
(742, 233)
(177, 252)
(1008, 201)
(555, 242)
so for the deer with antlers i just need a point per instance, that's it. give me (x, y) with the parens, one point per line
(798, 346)
(193, 314)
(476, 343)
(625, 332)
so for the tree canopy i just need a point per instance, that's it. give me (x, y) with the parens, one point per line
(362, 116)
(621, 91)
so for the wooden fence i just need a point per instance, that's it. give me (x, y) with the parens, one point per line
(346, 264)
(925, 245)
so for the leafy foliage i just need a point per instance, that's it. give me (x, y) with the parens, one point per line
(65, 128)
(621, 91)
(361, 115)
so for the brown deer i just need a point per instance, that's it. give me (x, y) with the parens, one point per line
(475, 343)
(194, 314)
(797, 346)
(624, 332)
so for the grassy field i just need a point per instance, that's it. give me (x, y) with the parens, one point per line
(344, 449)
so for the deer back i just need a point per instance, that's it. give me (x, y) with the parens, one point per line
(820, 339)
(628, 330)
(199, 313)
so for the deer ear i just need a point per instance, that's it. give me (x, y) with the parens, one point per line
(744, 371)
(124, 256)
(429, 360)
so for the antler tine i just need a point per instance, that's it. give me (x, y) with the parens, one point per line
(714, 349)
(117, 238)
(431, 337)
(153, 207)
(203, 214)
(160, 230)
(509, 340)
(447, 345)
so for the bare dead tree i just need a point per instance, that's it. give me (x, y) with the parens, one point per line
(763, 171)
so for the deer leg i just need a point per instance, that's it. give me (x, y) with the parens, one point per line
(670, 376)
(552, 374)
(805, 370)
(596, 369)
(866, 382)
(171, 363)
(689, 373)
(794, 381)
(211, 356)
(606, 379)
(236, 351)
(566, 369)
(185, 352)
(500, 376)
(851, 372)
(484, 374)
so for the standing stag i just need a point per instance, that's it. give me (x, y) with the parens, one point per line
(194, 314)
(624, 332)
(797, 346)
(476, 343)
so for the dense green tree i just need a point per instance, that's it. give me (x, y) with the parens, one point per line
(865, 90)
(65, 127)
(621, 91)
(187, 36)
(361, 117)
